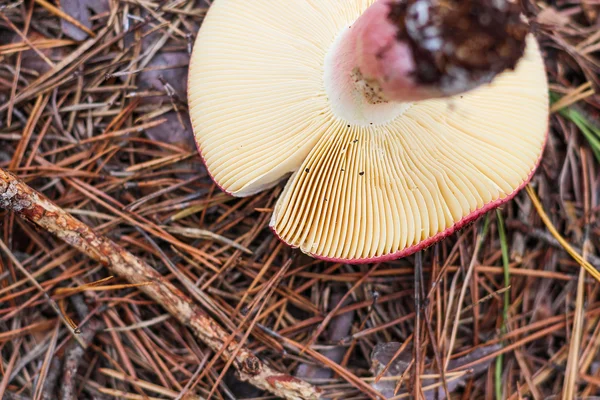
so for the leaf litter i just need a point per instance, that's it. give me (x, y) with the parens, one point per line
(97, 121)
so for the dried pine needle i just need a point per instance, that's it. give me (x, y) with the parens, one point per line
(544, 217)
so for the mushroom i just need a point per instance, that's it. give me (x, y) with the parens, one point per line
(399, 121)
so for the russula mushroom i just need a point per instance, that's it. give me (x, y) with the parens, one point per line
(399, 121)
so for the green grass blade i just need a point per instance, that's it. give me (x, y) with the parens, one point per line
(587, 128)
(505, 268)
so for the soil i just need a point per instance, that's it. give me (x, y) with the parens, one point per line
(455, 42)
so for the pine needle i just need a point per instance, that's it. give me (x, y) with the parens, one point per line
(576, 256)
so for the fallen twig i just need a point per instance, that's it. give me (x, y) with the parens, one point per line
(73, 357)
(51, 380)
(16, 196)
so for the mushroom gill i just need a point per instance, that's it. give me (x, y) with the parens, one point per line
(370, 181)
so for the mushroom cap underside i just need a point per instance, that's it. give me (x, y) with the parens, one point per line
(358, 191)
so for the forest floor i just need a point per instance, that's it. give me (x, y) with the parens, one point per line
(93, 115)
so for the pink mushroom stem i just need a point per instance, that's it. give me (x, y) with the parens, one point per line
(409, 50)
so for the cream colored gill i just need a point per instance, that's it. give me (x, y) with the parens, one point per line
(365, 192)
(264, 104)
(256, 92)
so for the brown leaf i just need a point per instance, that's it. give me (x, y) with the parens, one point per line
(81, 10)
(550, 16)
(383, 353)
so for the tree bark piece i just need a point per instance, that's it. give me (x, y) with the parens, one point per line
(32, 206)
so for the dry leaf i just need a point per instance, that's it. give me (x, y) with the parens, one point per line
(550, 16)
(81, 10)
(383, 353)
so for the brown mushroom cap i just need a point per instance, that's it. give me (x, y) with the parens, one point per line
(262, 108)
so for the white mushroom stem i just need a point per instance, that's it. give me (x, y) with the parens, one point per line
(410, 50)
